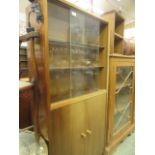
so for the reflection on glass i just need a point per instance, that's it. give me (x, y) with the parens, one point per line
(123, 91)
(76, 27)
(58, 23)
(60, 85)
(92, 31)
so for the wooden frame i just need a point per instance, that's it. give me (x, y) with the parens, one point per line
(53, 120)
(113, 140)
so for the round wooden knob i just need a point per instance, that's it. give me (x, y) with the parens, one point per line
(89, 132)
(83, 135)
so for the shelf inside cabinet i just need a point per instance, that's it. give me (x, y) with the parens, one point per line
(23, 60)
(24, 68)
(79, 68)
(23, 54)
(76, 45)
(118, 36)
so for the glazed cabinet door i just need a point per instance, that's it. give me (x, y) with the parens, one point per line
(68, 127)
(121, 97)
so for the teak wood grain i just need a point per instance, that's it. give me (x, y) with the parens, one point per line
(78, 128)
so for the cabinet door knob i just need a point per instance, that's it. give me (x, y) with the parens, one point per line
(89, 132)
(83, 135)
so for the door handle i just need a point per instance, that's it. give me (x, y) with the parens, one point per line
(89, 132)
(83, 135)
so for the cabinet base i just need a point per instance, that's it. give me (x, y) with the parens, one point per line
(112, 146)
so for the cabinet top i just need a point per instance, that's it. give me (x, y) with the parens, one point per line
(114, 12)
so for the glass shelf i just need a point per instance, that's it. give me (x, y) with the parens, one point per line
(78, 45)
(76, 68)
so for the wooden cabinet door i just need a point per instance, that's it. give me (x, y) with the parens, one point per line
(68, 127)
(121, 97)
(95, 115)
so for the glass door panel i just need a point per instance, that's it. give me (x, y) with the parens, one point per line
(92, 31)
(123, 92)
(59, 51)
(84, 81)
(84, 57)
(59, 56)
(77, 28)
(58, 23)
(60, 85)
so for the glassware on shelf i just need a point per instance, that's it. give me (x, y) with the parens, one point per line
(84, 81)
(59, 55)
(60, 85)
(84, 57)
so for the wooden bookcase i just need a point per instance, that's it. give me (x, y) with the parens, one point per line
(116, 27)
(23, 62)
(71, 82)
(121, 100)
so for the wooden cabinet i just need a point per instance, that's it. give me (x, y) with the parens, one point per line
(79, 128)
(121, 99)
(70, 76)
(116, 26)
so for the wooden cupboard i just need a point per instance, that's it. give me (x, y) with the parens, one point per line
(79, 128)
(70, 78)
(121, 100)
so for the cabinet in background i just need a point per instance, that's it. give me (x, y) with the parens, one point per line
(121, 99)
(71, 63)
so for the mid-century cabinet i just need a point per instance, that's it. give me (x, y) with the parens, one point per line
(120, 119)
(121, 100)
(70, 77)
